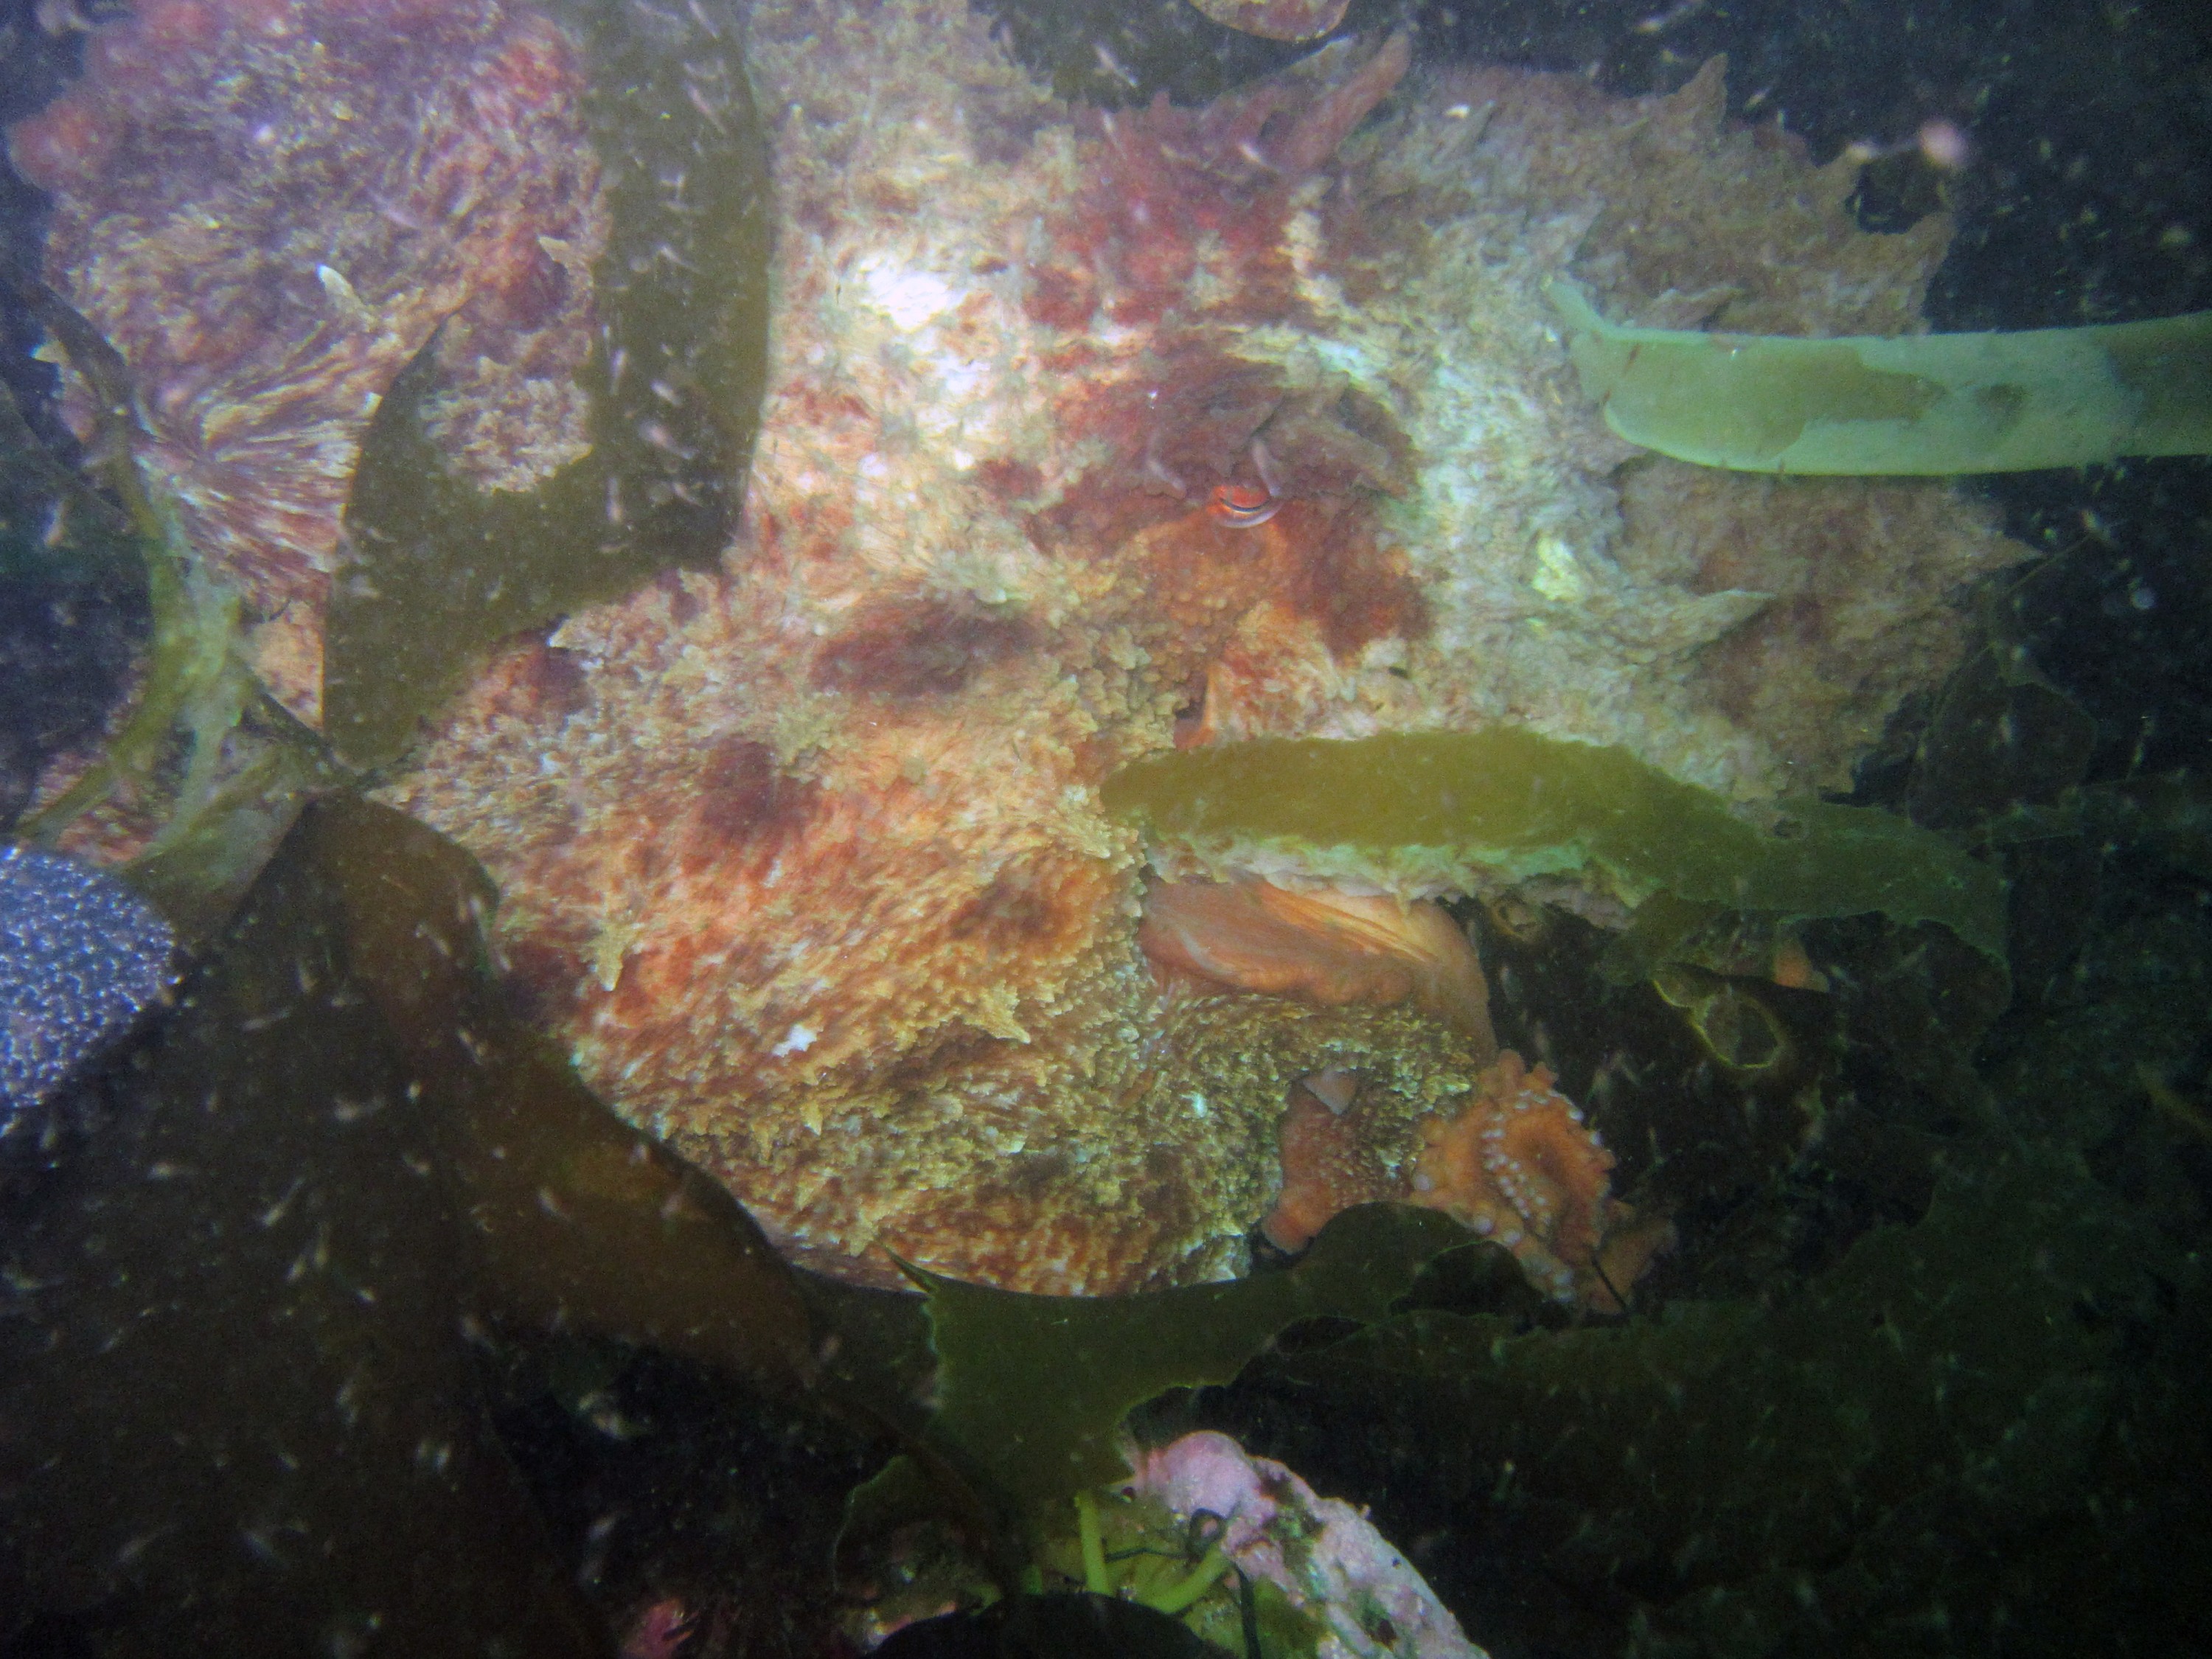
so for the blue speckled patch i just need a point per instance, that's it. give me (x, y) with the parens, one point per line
(80, 955)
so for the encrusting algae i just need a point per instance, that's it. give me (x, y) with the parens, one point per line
(1088, 434)
(268, 208)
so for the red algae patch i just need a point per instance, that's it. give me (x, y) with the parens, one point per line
(268, 208)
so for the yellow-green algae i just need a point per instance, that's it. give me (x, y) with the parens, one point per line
(1922, 406)
(218, 764)
(1138, 1549)
(1473, 812)
(194, 682)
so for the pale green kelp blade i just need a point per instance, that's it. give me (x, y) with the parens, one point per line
(1924, 405)
(1474, 811)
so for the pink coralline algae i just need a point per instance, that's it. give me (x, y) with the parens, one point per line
(1325, 1556)
(269, 205)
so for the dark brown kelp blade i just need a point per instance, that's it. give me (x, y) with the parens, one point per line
(244, 1414)
(1032, 1389)
(582, 1221)
(436, 571)
(1951, 1427)
(242, 1418)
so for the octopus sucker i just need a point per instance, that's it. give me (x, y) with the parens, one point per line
(1514, 1159)
(1519, 1167)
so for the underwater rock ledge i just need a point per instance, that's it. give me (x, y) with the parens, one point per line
(1086, 436)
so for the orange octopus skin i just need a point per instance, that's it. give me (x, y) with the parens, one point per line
(1520, 1166)
(1322, 945)
(1330, 1163)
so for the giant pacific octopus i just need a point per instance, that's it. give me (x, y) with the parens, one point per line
(1092, 432)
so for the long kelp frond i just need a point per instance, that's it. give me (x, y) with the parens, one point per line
(1923, 405)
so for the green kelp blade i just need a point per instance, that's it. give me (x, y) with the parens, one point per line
(244, 1416)
(248, 766)
(1470, 810)
(582, 1222)
(67, 553)
(1939, 1417)
(1926, 405)
(436, 571)
(192, 680)
(1032, 1389)
(51, 521)
(1276, 20)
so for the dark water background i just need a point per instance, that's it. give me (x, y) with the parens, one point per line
(2087, 197)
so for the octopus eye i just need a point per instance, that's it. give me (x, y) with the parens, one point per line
(1243, 506)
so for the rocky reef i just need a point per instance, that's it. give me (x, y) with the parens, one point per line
(1146, 766)
(1086, 434)
(269, 209)
(1089, 434)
